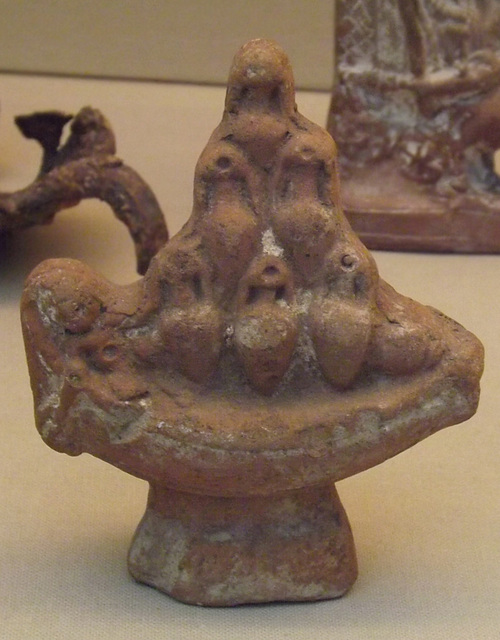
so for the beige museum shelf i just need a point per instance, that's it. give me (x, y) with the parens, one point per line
(426, 524)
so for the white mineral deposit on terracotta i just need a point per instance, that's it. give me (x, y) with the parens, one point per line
(416, 115)
(260, 360)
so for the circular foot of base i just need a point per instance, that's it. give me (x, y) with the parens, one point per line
(295, 546)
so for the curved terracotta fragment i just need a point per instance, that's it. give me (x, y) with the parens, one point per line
(246, 373)
(84, 167)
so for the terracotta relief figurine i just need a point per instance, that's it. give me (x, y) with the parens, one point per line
(259, 360)
(85, 166)
(416, 114)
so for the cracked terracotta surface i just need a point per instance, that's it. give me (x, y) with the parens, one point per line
(260, 360)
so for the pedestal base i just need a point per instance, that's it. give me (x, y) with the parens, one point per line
(390, 212)
(227, 551)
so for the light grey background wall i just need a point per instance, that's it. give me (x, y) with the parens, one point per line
(174, 40)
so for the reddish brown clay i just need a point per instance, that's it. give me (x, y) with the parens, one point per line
(259, 360)
(84, 167)
(416, 115)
